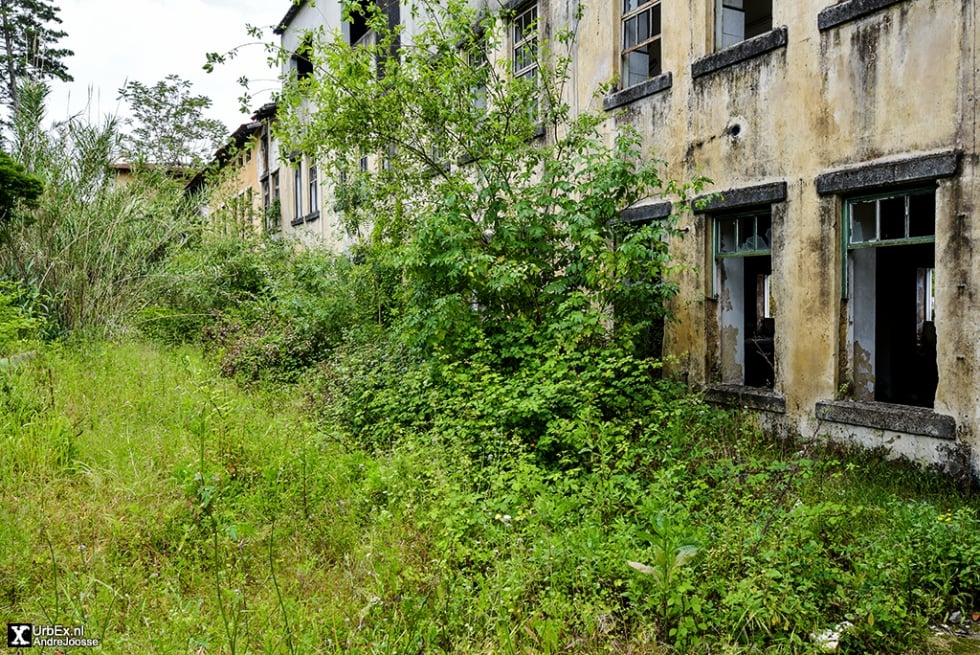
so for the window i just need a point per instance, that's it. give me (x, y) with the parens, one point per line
(388, 157)
(641, 41)
(738, 20)
(314, 187)
(273, 211)
(358, 27)
(743, 260)
(298, 190)
(525, 44)
(359, 33)
(300, 61)
(476, 58)
(890, 283)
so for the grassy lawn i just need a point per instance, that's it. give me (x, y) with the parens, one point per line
(166, 510)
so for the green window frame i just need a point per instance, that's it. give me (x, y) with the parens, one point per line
(746, 234)
(886, 219)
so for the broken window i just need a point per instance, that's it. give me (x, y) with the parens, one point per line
(359, 32)
(641, 41)
(743, 259)
(738, 20)
(891, 264)
(301, 59)
(358, 26)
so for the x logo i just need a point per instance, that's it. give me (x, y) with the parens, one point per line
(18, 635)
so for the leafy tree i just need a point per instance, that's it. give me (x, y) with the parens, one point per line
(29, 46)
(169, 127)
(16, 185)
(500, 207)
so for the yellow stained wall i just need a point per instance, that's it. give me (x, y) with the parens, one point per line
(897, 83)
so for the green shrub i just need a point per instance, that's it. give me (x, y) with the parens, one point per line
(17, 320)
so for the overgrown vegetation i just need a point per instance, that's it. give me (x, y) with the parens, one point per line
(169, 511)
(89, 247)
(451, 440)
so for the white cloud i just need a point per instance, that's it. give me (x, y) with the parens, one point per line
(146, 40)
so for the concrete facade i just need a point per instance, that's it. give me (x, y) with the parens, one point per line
(831, 119)
(830, 275)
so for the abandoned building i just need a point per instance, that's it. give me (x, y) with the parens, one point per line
(830, 275)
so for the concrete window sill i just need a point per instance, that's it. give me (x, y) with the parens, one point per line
(736, 395)
(309, 218)
(885, 416)
(845, 12)
(748, 49)
(654, 85)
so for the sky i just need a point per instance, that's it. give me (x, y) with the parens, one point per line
(146, 40)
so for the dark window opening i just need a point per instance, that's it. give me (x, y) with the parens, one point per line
(743, 247)
(738, 20)
(358, 25)
(301, 60)
(360, 33)
(891, 269)
(273, 212)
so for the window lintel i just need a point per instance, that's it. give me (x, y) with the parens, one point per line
(880, 175)
(743, 197)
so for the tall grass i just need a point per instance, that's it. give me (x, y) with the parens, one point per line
(90, 246)
(166, 510)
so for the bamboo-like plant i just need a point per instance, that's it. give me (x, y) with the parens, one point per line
(94, 238)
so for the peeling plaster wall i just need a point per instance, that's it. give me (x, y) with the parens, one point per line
(895, 83)
(326, 230)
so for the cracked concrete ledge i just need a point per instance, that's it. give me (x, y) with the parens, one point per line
(852, 10)
(885, 416)
(656, 84)
(739, 52)
(644, 213)
(889, 173)
(736, 395)
(762, 194)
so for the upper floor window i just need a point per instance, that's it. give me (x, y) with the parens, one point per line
(738, 20)
(358, 31)
(479, 63)
(314, 190)
(300, 60)
(525, 43)
(641, 41)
